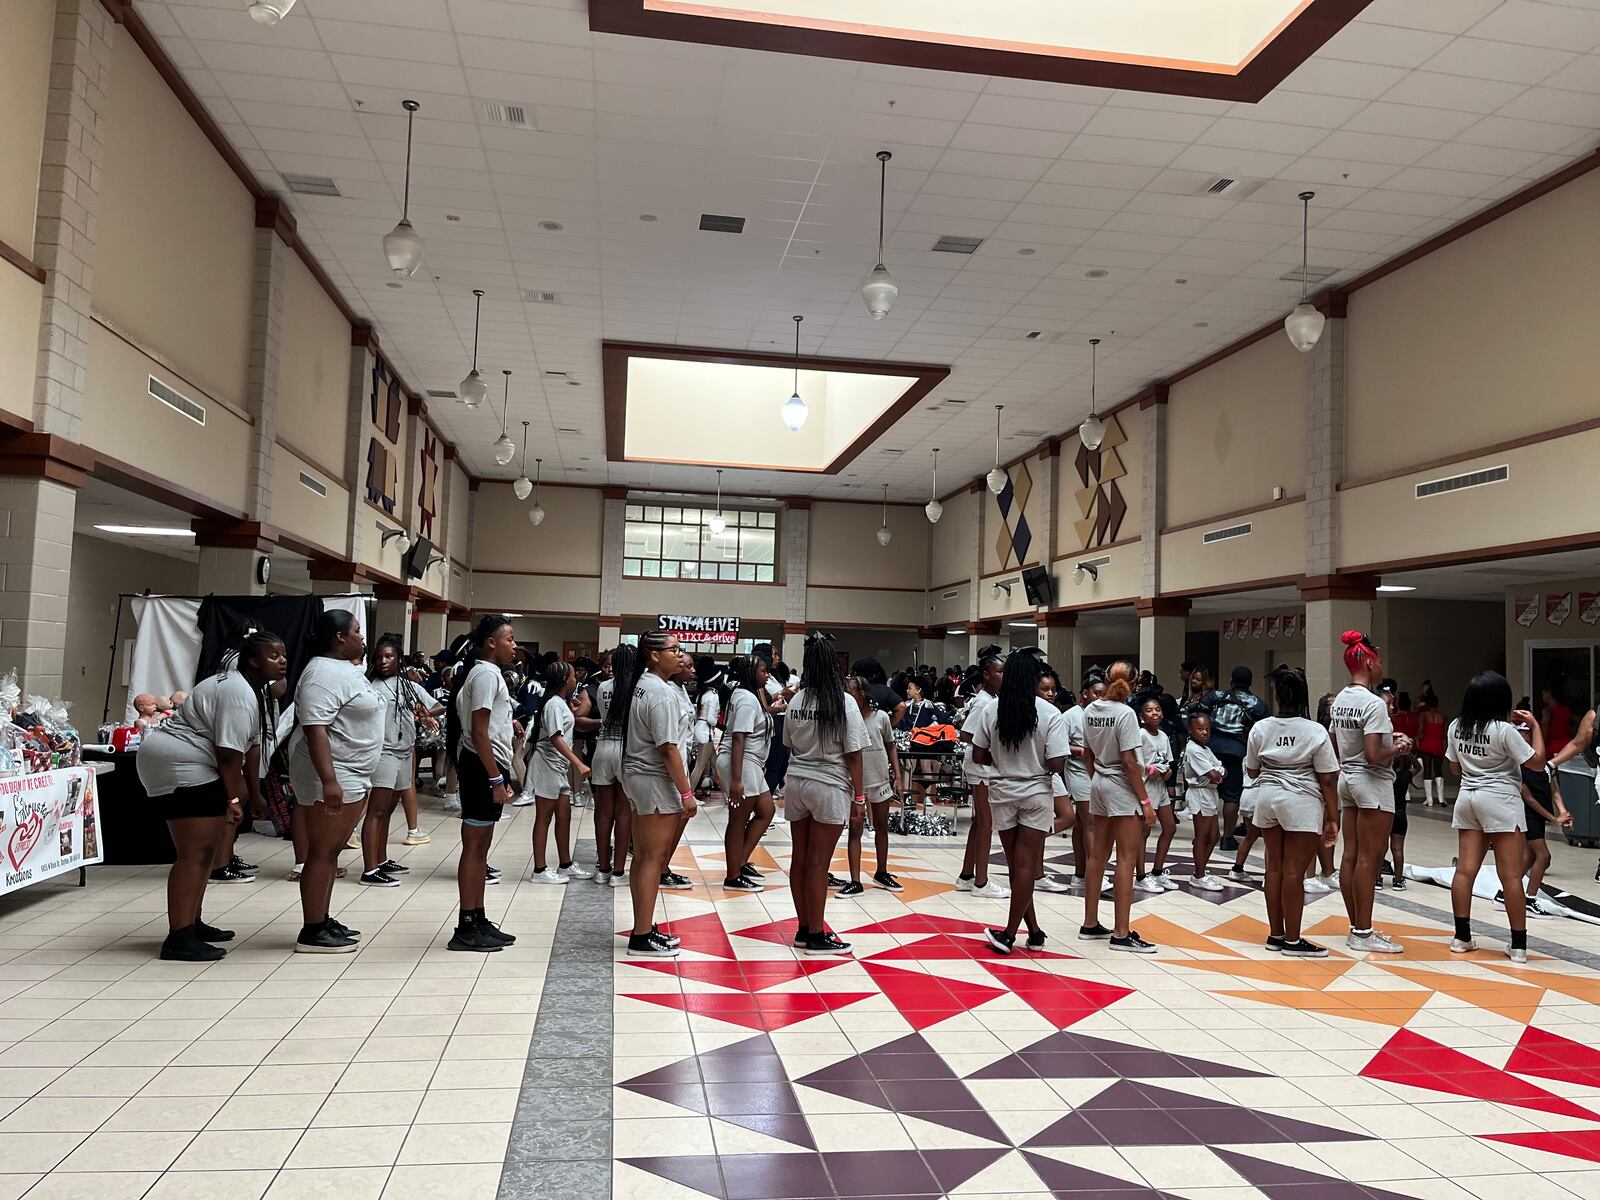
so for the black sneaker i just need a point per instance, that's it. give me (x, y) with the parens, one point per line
(210, 933)
(851, 889)
(1274, 944)
(1093, 933)
(650, 945)
(491, 877)
(474, 937)
(1228, 843)
(887, 882)
(1133, 944)
(238, 864)
(802, 935)
(1036, 941)
(825, 943)
(182, 945)
(1300, 948)
(229, 875)
(670, 939)
(482, 921)
(1000, 941)
(674, 882)
(389, 867)
(343, 930)
(749, 872)
(741, 884)
(323, 939)
(834, 882)
(377, 878)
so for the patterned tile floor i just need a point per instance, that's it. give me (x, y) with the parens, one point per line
(923, 1066)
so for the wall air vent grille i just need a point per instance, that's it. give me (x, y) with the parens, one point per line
(950, 595)
(515, 115)
(312, 484)
(177, 401)
(436, 394)
(1232, 531)
(1456, 483)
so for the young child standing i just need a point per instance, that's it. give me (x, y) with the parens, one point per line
(1156, 754)
(880, 779)
(1202, 771)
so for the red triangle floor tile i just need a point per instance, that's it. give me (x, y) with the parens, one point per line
(924, 999)
(1412, 1059)
(1057, 998)
(1551, 1056)
(750, 975)
(1576, 1143)
(772, 1010)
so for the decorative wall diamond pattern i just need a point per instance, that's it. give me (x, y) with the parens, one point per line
(1014, 538)
(1101, 504)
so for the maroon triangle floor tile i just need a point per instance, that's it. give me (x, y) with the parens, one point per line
(775, 1177)
(1067, 1055)
(1279, 1182)
(1141, 1114)
(702, 1172)
(785, 1127)
(952, 1168)
(879, 1173)
(1080, 1183)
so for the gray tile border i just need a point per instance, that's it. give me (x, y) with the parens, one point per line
(560, 1141)
(1494, 931)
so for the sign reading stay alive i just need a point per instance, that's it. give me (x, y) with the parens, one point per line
(716, 631)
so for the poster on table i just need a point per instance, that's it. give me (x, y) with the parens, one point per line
(715, 631)
(1525, 610)
(1558, 608)
(1589, 607)
(49, 825)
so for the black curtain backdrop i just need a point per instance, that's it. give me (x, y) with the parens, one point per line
(223, 619)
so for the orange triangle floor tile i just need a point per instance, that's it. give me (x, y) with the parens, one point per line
(1341, 926)
(1584, 988)
(1380, 1008)
(1168, 933)
(1242, 929)
(1511, 1000)
(1305, 973)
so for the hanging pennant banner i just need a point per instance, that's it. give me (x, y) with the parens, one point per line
(1258, 627)
(1589, 607)
(1558, 608)
(1525, 610)
(1274, 625)
(1227, 629)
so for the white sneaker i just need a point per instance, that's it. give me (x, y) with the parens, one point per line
(1457, 946)
(576, 871)
(452, 803)
(1050, 883)
(1148, 884)
(963, 885)
(547, 876)
(1167, 882)
(619, 881)
(993, 890)
(415, 837)
(523, 799)
(353, 842)
(1516, 955)
(1331, 880)
(1372, 943)
(1207, 883)
(1316, 885)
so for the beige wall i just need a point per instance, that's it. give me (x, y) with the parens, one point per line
(175, 251)
(1275, 547)
(1448, 641)
(845, 550)
(121, 418)
(552, 633)
(534, 594)
(751, 601)
(314, 371)
(24, 85)
(864, 606)
(1131, 455)
(457, 512)
(101, 570)
(1119, 578)
(949, 613)
(567, 542)
(20, 298)
(1487, 339)
(1236, 430)
(299, 510)
(952, 541)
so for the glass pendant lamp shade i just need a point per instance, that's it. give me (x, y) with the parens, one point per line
(1093, 430)
(718, 523)
(996, 479)
(933, 508)
(1304, 326)
(270, 12)
(884, 536)
(503, 447)
(795, 411)
(536, 513)
(880, 289)
(523, 487)
(402, 245)
(473, 390)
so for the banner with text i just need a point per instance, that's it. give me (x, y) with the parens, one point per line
(49, 824)
(715, 631)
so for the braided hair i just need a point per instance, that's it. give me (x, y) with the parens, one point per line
(824, 682)
(1290, 691)
(250, 646)
(401, 686)
(622, 661)
(488, 625)
(739, 674)
(1016, 709)
(627, 684)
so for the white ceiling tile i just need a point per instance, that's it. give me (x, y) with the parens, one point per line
(1388, 46)
(1538, 24)
(1456, 16)
(1521, 135)
(1499, 60)
(1409, 120)
(1459, 92)
(1581, 109)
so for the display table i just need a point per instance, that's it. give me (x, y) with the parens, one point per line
(49, 825)
(135, 829)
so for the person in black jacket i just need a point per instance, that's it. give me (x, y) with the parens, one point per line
(1233, 711)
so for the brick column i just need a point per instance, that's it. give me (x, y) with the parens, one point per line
(1163, 621)
(332, 577)
(975, 554)
(229, 552)
(432, 616)
(613, 539)
(1058, 642)
(1325, 409)
(39, 480)
(1333, 603)
(392, 613)
(979, 635)
(796, 563)
(1152, 490)
(274, 232)
(1047, 486)
(68, 208)
(931, 646)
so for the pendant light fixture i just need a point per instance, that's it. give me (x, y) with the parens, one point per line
(1093, 430)
(402, 245)
(880, 289)
(536, 513)
(997, 479)
(270, 12)
(473, 390)
(795, 411)
(718, 522)
(504, 448)
(523, 485)
(884, 536)
(1304, 324)
(933, 508)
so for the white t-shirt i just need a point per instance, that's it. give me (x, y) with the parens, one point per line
(1290, 752)
(875, 754)
(335, 693)
(1358, 711)
(1109, 729)
(660, 714)
(687, 707)
(1077, 769)
(816, 753)
(1198, 763)
(555, 721)
(1155, 750)
(221, 713)
(1491, 762)
(980, 701)
(485, 688)
(602, 705)
(398, 695)
(1021, 773)
(747, 716)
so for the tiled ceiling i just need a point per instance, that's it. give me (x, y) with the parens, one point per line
(1415, 116)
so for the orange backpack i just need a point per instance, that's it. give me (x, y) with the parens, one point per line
(935, 737)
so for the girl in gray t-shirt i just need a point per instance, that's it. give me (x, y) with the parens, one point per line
(550, 769)
(741, 759)
(880, 779)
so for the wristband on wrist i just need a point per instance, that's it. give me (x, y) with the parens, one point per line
(497, 781)
(686, 795)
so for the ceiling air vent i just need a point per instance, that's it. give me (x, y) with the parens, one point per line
(711, 223)
(950, 595)
(1227, 185)
(957, 245)
(555, 374)
(434, 394)
(894, 451)
(177, 401)
(310, 185)
(312, 484)
(533, 296)
(567, 429)
(1223, 535)
(1309, 275)
(515, 115)
(1456, 483)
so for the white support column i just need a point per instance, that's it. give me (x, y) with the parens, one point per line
(1153, 491)
(36, 518)
(1058, 642)
(1163, 623)
(392, 613)
(613, 539)
(796, 579)
(68, 209)
(1334, 604)
(1325, 416)
(275, 231)
(432, 619)
(363, 357)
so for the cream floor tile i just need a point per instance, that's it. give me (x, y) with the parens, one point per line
(293, 1111)
(120, 1151)
(100, 1081)
(164, 1114)
(281, 1080)
(222, 1052)
(102, 1185)
(402, 1049)
(369, 1146)
(447, 1105)
(13, 1185)
(329, 1183)
(211, 1185)
(381, 1077)
(458, 1181)
(255, 1149)
(64, 1114)
(36, 1152)
(197, 1081)
(368, 1108)
(294, 1049)
(477, 1073)
(477, 1142)
(135, 1054)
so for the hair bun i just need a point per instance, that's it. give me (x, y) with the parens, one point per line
(1352, 637)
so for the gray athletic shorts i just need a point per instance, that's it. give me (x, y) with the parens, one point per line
(1078, 785)
(546, 781)
(605, 769)
(1293, 812)
(1034, 812)
(1202, 801)
(750, 772)
(1110, 796)
(395, 770)
(826, 803)
(1366, 791)
(652, 794)
(1488, 812)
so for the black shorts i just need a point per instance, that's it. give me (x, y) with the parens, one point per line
(1232, 785)
(201, 800)
(1538, 784)
(477, 797)
(1401, 822)
(1535, 830)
